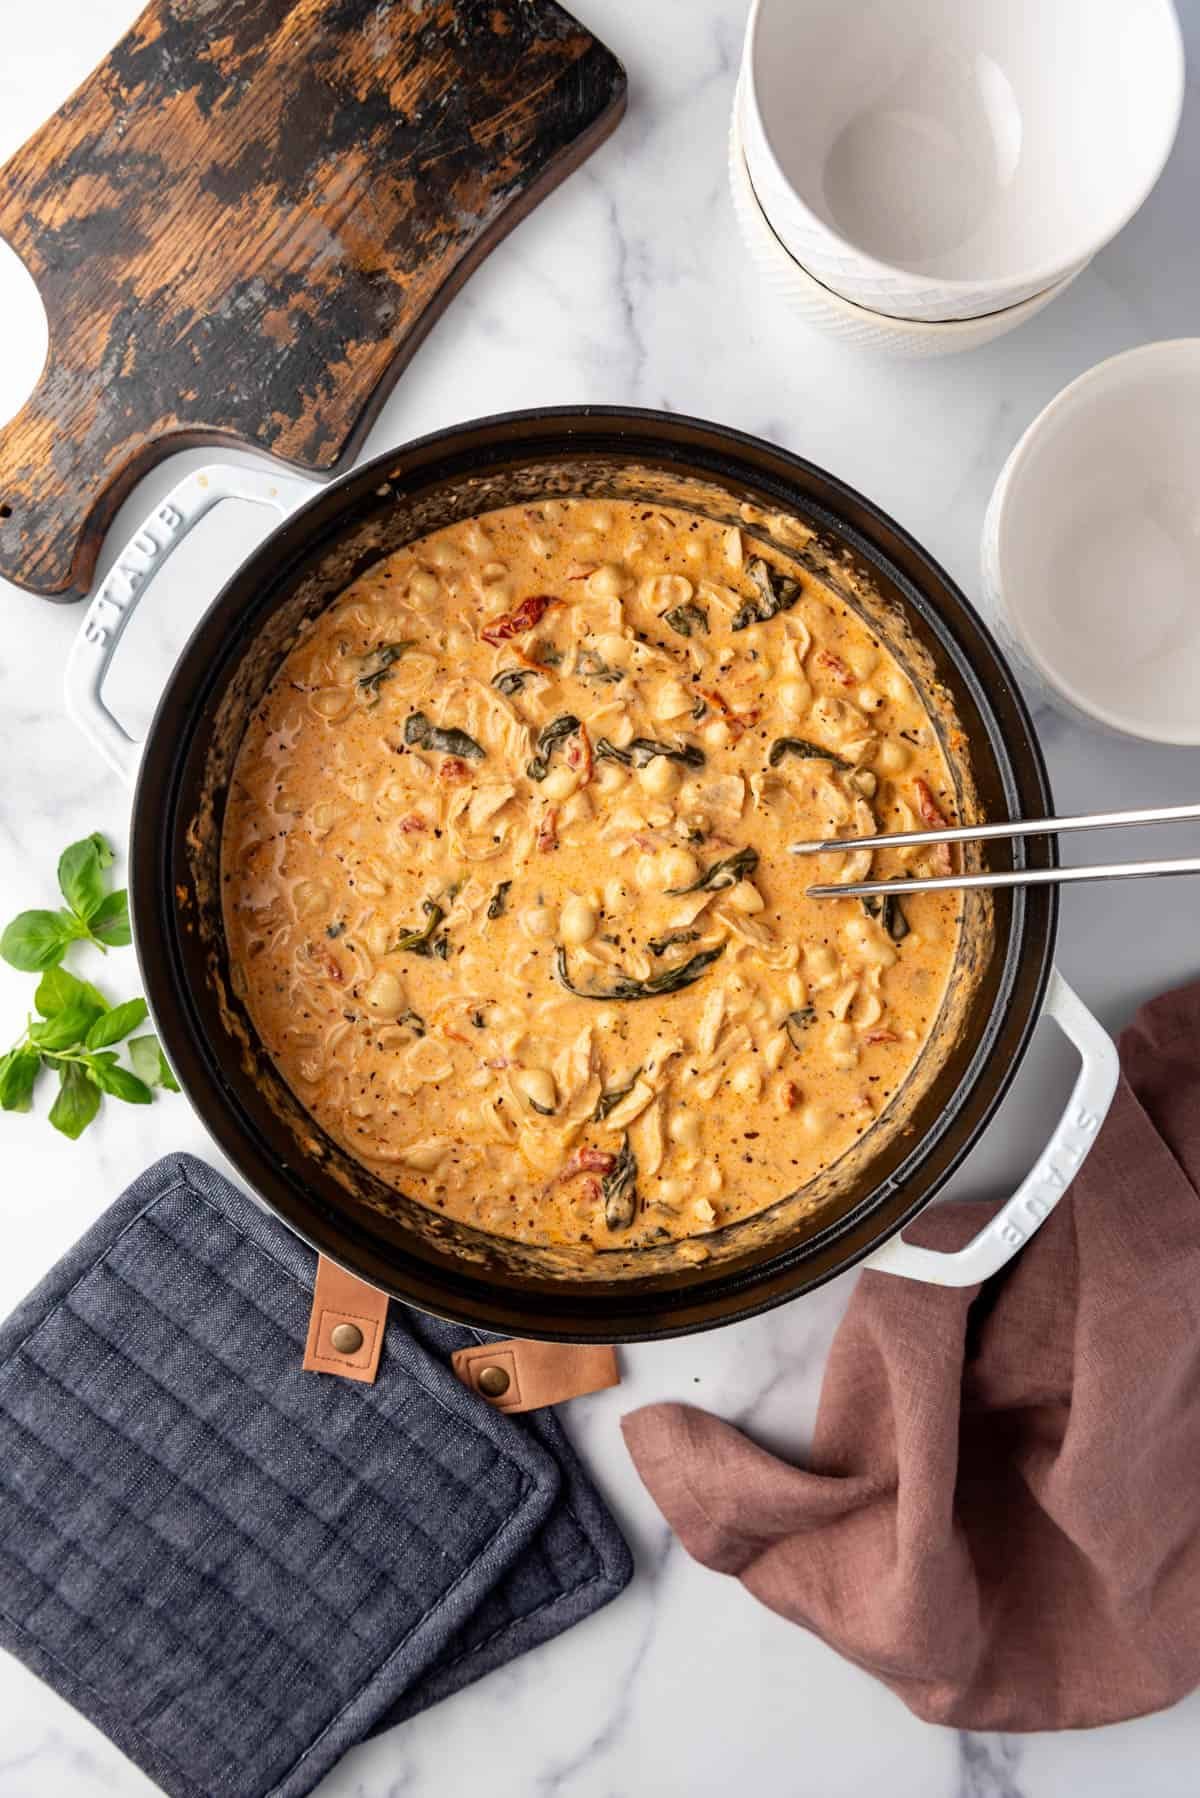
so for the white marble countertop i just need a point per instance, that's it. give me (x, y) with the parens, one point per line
(629, 286)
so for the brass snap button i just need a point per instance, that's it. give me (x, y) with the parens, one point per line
(347, 1339)
(493, 1382)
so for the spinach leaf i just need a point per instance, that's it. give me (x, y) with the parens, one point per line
(549, 739)
(498, 902)
(797, 1022)
(381, 660)
(886, 907)
(510, 681)
(644, 749)
(626, 987)
(423, 941)
(592, 667)
(419, 733)
(809, 752)
(722, 874)
(610, 1100)
(687, 620)
(619, 1189)
(776, 593)
(658, 945)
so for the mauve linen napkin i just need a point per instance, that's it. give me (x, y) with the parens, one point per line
(1001, 1515)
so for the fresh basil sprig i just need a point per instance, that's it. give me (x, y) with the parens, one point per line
(75, 1029)
(37, 940)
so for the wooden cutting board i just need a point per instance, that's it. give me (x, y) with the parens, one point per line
(245, 221)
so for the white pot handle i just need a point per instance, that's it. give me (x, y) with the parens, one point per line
(1041, 1190)
(145, 553)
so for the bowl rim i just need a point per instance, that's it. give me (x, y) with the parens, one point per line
(1165, 350)
(944, 329)
(1171, 112)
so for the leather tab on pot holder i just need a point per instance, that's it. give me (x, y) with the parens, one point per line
(524, 1376)
(346, 1325)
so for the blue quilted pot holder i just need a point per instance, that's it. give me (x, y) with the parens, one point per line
(238, 1570)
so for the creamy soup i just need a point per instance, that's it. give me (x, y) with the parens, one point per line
(507, 885)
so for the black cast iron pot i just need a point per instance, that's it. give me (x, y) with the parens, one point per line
(311, 1183)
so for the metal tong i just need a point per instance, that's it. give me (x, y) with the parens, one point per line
(1017, 877)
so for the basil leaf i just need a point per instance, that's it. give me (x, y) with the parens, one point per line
(776, 593)
(118, 1081)
(549, 738)
(57, 988)
(79, 874)
(109, 923)
(18, 1072)
(722, 874)
(626, 987)
(150, 1064)
(116, 1024)
(37, 940)
(619, 1189)
(420, 733)
(66, 1028)
(77, 1103)
(810, 752)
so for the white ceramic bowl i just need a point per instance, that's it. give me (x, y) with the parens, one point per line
(1091, 546)
(819, 306)
(939, 159)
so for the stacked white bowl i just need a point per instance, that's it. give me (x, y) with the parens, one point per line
(923, 175)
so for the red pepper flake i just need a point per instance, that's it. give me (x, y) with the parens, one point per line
(882, 1036)
(454, 1035)
(453, 768)
(836, 667)
(529, 613)
(941, 855)
(547, 836)
(790, 1095)
(414, 821)
(582, 573)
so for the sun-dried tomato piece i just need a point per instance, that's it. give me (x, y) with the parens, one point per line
(547, 836)
(529, 613)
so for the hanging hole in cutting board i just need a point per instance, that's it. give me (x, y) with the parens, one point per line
(26, 340)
